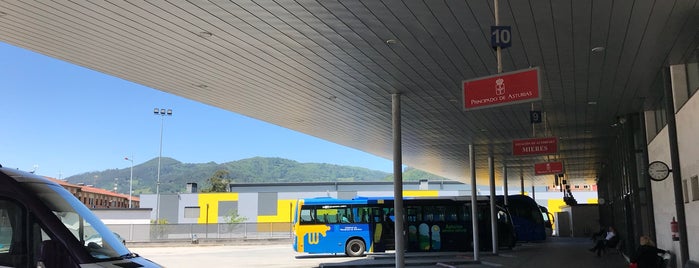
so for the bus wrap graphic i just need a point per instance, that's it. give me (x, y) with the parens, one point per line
(314, 238)
(313, 234)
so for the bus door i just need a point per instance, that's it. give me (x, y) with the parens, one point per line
(383, 229)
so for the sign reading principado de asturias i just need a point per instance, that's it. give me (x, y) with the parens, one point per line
(502, 89)
(548, 168)
(535, 146)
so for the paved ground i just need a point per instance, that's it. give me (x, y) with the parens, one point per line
(245, 254)
(555, 253)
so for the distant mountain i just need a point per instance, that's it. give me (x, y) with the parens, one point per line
(174, 175)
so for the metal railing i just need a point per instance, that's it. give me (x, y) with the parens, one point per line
(190, 231)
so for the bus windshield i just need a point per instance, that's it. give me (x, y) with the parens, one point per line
(527, 217)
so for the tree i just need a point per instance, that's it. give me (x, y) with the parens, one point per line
(218, 183)
(159, 228)
(234, 217)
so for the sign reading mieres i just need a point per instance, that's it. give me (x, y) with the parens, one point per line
(535, 146)
(548, 168)
(502, 89)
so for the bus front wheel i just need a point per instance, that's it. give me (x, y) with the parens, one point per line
(355, 248)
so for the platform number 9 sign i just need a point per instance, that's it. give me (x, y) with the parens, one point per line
(535, 117)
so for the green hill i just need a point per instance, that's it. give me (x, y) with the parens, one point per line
(174, 175)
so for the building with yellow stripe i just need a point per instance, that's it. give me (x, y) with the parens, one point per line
(274, 203)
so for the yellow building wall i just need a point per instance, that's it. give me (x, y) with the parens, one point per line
(554, 205)
(211, 200)
(279, 222)
(284, 210)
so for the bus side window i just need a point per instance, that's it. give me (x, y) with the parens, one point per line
(452, 215)
(306, 216)
(347, 216)
(331, 218)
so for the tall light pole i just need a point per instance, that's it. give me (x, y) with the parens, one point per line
(130, 180)
(162, 113)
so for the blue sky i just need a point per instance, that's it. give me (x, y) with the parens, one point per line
(63, 120)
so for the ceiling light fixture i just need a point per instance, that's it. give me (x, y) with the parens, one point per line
(391, 41)
(597, 49)
(205, 34)
(622, 120)
(592, 102)
(2, 14)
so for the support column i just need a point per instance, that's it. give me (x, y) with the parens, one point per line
(493, 219)
(504, 181)
(521, 181)
(398, 182)
(474, 203)
(676, 168)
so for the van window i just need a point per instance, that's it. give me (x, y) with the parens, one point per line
(16, 250)
(85, 226)
(13, 249)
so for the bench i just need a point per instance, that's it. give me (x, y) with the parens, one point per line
(614, 243)
(691, 264)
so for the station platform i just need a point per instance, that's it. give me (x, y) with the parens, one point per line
(555, 253)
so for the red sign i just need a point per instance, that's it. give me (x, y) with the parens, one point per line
(502, 89)
(535, 146)
(548, 168)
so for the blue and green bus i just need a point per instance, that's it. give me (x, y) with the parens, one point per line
(354, 227)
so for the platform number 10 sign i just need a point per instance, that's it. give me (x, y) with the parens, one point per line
(500, 36)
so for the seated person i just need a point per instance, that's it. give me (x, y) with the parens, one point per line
(609, 240)
(646, 256)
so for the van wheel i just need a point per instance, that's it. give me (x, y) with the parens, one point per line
(355, 248)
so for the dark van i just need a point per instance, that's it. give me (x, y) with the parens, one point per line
(44, 225)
